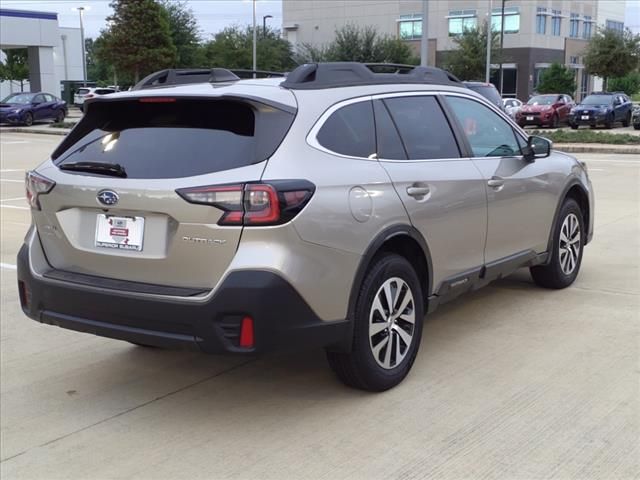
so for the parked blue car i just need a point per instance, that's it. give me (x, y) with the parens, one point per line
(602, 109)
(26, 108)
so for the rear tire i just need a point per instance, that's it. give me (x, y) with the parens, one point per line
(566, 249)
(385, 339)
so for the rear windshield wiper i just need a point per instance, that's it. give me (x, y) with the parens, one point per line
(101, 168)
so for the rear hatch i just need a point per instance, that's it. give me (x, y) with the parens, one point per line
(78, 97)
(97, 221)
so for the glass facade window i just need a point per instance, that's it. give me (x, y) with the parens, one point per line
(573, 60)
(461, 20)
(541, 21)
(556, 23)
(574, 25)
(617, 26)
(511, 19)
(588, 27)
(410, 26)
(584, 85)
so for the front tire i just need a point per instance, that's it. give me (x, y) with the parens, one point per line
(60, 116)
(627, 120)
(28, 119)
(387, 327)
(609, 123)
(554, 121)
(566, 249)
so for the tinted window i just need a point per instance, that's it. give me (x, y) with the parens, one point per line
(350, 131)
(83, 91)
(50, 98)
(173, 140)
(38, 99)
(388, 140)
(489, 135)
(487, 91)
(598, 100)
(423, 127)
(103, 91)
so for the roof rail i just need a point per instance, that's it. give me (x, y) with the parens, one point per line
(346, 74)
(173, 76)
(243, 73)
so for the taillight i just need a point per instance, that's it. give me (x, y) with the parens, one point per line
(89, 95)
(36, 185)
(253, 204)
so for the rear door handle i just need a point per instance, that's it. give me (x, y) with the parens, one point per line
(496, 182)
(417, 191)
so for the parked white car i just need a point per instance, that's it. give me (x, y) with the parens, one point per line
(512, 106)
(84, 93)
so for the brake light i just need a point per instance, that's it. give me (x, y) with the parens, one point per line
(253, 204)
(36, 185)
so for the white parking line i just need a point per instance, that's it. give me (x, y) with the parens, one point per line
(12, 142)
(11, 180)
(15, 207)
(12, 199)
(7, 170)
(8, 266)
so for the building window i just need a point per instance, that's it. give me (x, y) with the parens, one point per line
(556, 23)
(588, 26)
(410, 26)
(541, 20)
(574, 25)
(584, 84)
(617, 26)
(461, 20)
(511, 20)
(573, 60)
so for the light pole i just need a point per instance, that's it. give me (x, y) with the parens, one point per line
(424, 43)
(255, 40)
(487, 73)
(501, 74)
(84, 55)
(264, 25)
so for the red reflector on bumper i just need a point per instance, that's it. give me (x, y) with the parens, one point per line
(246, 333)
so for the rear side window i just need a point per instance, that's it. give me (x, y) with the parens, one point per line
(182, 138)
(350, 131)
(423, 127)
(389, 143)
(103, 91)
(83, 91)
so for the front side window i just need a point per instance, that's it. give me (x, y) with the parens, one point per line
(350, 131)
(488, 134)
(424, 129)
(461, 20)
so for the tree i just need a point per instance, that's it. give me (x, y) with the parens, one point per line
(185, 33)
(232, 48)
(468, 61)
(629, 84)
(612, 54)
(358, 44)
(15, 66)
(98, 70)
(557, 79)
(138, 40)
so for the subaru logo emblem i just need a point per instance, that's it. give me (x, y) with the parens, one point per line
(108, 198)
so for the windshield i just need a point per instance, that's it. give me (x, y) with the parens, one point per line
(542, 100)
(597, 100)
(20, 98)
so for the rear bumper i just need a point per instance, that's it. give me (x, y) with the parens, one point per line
(282, 319)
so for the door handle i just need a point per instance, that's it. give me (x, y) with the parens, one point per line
(496, 182)
(417, 191)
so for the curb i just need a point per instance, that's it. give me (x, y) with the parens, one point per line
(597, 148)
(44, 131)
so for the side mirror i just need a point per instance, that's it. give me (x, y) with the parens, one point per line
(537, 147)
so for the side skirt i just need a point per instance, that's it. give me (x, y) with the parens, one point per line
(476, 278)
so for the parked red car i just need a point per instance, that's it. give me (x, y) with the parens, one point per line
(545, 110)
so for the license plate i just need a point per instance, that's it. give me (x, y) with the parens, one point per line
(122, 233)
(529, 118)
(584, 117)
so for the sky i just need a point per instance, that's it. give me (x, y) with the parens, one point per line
(212, 15)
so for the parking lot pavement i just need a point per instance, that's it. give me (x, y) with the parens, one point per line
(511, 382)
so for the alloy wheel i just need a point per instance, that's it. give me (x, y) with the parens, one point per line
(570, 244)
(392, 323)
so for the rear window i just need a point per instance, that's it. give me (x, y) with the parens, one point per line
(489, 92)
(179, 139)
(103, 91)
(83, 91)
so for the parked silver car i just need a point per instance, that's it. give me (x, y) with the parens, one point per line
(333, 208)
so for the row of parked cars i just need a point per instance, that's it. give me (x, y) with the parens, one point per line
(598, 109)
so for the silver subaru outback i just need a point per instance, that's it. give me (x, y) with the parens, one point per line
(332, 208)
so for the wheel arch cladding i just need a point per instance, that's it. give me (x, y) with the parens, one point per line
(404, 240)
(577, 192)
